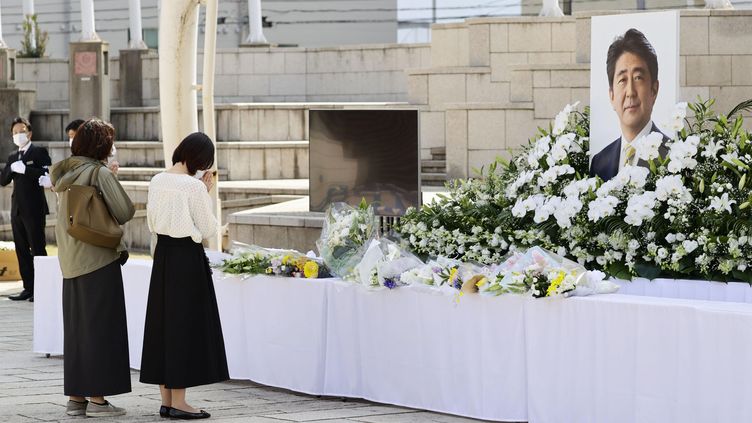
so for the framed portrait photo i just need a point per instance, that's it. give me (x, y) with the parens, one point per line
(634, 80)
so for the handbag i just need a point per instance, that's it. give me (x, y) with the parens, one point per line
(89, 218)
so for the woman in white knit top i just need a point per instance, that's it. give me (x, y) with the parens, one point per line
(183, 343)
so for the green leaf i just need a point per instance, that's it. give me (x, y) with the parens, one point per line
(741, 107)
(619, 270)
(647, 270)
(743, 276)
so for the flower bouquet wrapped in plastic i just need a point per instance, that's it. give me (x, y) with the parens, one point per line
(252, 260)
(544, 274)
(382, 264)
(344, 236)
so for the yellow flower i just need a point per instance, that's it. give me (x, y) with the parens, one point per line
(452, 274)
(481, 282)
(311, 269)
(555, 284)
(269, 270)
(286, 259)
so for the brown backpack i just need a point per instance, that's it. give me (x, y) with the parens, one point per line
(89, 218)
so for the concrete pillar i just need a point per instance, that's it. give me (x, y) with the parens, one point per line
(137, 41)
(718, 4)
(89, 80)
(551, 8)
(13, 101)
(130, 87)
(178, 109)
(88, 30)
(7, 67)
(2, 42)
(28, 10)
(256, 30)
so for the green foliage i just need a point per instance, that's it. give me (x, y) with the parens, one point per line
(31, 30)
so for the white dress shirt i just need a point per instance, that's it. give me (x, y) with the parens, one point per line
(625, 144)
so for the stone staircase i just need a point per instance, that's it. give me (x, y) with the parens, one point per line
(433, 170)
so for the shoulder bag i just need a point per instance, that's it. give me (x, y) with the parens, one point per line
(89, 218)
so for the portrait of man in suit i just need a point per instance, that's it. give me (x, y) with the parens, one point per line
(24, 168)
(632, 71)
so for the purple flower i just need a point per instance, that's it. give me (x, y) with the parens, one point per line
(390, 283)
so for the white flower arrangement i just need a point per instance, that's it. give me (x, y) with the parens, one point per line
(344, 236)
(683, 215)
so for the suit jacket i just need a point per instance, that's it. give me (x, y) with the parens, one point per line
(606, 163)
(28, 197)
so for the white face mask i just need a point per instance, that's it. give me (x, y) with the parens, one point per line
(199, 174)
(20, 139)
(113, 151)
(70, 142)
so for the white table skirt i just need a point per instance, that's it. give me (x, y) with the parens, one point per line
(612, 358)
(409, 347)
(620, 358)
(739, 292)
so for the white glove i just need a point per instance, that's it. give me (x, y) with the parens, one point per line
(18, 167)
(44, 181)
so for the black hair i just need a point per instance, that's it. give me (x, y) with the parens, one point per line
(633, 41)
(73, 125)
(196, 151)
(94, 139)
(20, 120)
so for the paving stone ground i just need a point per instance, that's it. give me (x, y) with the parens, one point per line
(31, 389)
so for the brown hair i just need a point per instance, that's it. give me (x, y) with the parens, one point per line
(93, 139)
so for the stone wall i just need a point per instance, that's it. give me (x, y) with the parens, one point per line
(352, 73)
(495, 80)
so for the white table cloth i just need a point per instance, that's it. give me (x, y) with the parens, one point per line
(611, 358)
(409, 347)
(622, 358)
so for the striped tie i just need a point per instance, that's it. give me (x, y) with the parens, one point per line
(629, 153)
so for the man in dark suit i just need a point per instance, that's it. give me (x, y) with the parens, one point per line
(28, 204)
(632, 68)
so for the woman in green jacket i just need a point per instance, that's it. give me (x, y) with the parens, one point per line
(95, 345)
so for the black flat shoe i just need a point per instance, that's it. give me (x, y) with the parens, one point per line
(186, 415)
(22, 296)
(164, 411)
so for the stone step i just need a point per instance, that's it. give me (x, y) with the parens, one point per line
(228, 190)
(438, 150)
(251, 121)
(146, 173)
(244, 160)
(433, 179)
(432, 169)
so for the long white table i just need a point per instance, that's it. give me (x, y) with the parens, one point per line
(614, 358)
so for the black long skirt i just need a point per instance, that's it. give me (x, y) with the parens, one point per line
(183, 343)
(95, 344)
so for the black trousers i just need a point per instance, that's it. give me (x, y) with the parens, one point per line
(28, 235)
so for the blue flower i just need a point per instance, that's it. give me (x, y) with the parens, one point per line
(390, 283)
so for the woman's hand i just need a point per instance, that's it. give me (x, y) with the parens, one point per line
(208, 180)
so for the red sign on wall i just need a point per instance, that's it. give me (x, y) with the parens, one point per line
(85, 63)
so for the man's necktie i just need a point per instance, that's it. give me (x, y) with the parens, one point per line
(629, 153)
